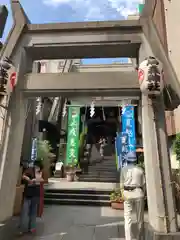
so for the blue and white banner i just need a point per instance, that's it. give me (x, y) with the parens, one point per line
(128, 127)
(124, 147)
(34, 150)
(121, 149)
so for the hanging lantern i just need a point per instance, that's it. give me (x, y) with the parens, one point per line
(150, 76)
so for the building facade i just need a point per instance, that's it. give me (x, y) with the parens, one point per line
(165, 14)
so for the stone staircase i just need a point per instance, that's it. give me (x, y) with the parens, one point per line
(101, 170)
(77, 197)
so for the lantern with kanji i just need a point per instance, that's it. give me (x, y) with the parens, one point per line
(150, 76)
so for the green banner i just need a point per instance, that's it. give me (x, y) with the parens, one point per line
(72, 151)
(140, 7)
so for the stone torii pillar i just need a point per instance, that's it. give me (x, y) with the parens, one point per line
(13, 139)
(15, 117)
(161, 205)
(3, 18)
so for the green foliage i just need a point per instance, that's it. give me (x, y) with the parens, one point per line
(70, 168)
(141, 161)
(141, 165)
(70, 165)
(176, 182)
(116, 195)
(43, 150)
(176, 146)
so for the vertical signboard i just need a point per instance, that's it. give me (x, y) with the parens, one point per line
(128, 127)
(34, 150)
(72, 150)
(121, 149)
(140, 7)
(124, 147)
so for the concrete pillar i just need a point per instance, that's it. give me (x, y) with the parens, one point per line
(39, 117)
(13, 138)
(28, 133)
(161, 212)
(3, 18)
(151, 159)
(165, 163)
(30, 121)
(156, 160)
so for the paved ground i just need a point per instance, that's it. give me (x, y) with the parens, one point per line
(73, 223)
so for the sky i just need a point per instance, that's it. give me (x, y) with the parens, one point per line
(43, 11)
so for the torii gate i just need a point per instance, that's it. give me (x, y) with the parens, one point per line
(131, 38)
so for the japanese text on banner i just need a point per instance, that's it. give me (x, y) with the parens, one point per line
(128, 127)
(73, 135)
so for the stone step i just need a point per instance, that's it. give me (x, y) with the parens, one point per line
(99, 179)
(103, 165)
(101, 169)
(112, 162)
(78, 191)
(105, 173)
(87, 177)
(99, 161)
(77, 197)
(106, 168)
(99, 176)
(75, 201)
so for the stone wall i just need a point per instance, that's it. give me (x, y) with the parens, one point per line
(170, 123)
(173, 121)
(166, 17)
(172, 17)
(159, 20)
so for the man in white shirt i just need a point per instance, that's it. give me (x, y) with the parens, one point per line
(132, 186)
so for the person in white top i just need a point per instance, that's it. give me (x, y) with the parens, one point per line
(132, 184)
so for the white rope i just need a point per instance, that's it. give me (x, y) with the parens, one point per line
(104, 117)
(39, 105)
(64, 112)
(92, 109)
